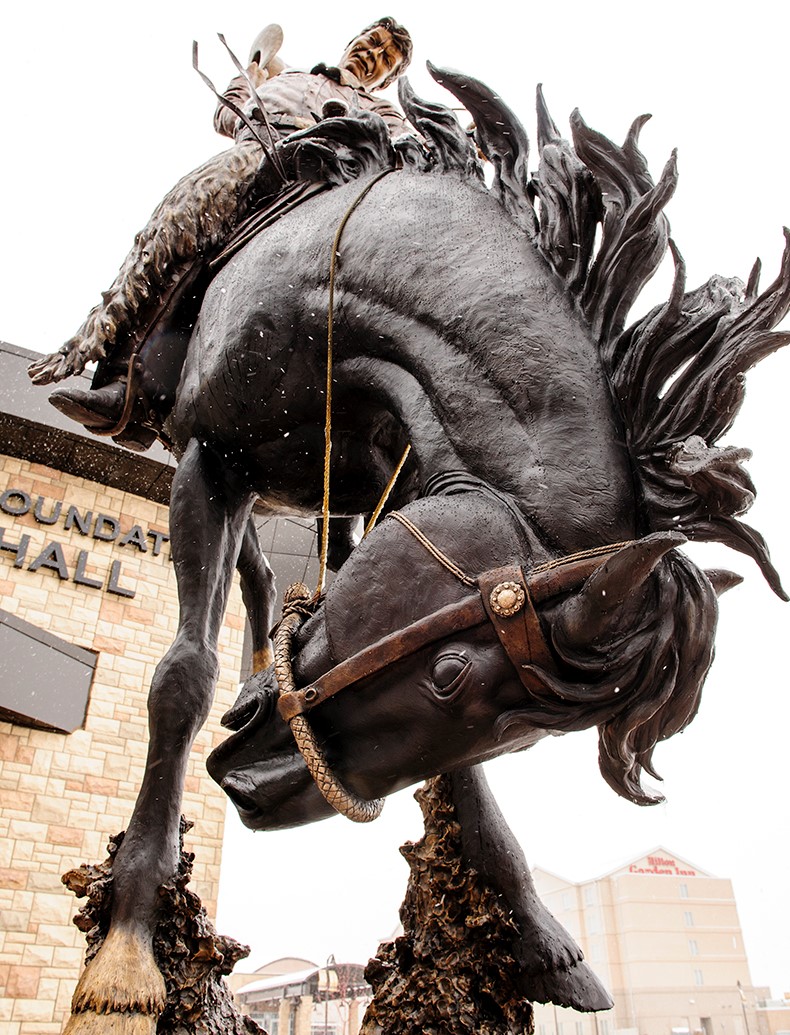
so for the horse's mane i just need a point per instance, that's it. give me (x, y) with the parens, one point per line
(596, 216)
(677, 372)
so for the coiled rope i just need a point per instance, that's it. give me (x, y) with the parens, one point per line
(297, 605)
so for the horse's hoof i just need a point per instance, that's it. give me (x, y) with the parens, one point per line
(91, 1023)
(577, 989)
(555, 968)
(123, 979)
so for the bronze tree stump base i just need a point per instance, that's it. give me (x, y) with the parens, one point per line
(192, 957)
(452, 971)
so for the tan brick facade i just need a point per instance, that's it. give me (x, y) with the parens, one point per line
(61, 795)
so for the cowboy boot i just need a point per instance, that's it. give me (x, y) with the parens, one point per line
(97, 409)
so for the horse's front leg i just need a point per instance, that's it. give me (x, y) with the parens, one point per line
(208, 518)
(259, 595)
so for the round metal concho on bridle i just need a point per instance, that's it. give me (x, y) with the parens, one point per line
(507, 598)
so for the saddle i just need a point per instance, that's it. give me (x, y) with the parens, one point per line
(340, 148)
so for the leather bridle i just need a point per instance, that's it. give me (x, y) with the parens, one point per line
(505, 596)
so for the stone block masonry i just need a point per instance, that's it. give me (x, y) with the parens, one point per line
(62, 795)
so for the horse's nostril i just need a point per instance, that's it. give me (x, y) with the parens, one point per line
(243, 802)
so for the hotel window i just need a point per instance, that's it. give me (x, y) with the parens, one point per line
(580, 1028)
(541, 1029)
(589, 895)
(603, 1026)
(698, 979)
(688, 919)
(265, 1016)
(684, 891)
(693, 947)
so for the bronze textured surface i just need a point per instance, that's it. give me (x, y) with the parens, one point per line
(486, 328)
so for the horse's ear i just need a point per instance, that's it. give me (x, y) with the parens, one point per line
(501, 138)
(600, 606)
(722, 580)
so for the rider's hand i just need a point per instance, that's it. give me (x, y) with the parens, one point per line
(257, 74)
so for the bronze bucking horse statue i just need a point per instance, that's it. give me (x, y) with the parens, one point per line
(528, 579)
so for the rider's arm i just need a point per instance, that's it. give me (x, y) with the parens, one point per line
(226, 121)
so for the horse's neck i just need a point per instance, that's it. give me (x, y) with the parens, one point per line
(474, 334)
(536, 543)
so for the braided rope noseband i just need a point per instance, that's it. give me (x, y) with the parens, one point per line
(297, 605)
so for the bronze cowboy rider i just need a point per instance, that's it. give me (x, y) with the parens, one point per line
(196, 218)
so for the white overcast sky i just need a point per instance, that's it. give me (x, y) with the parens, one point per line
(102, 113)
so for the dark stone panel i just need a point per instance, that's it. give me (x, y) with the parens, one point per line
(44, 681)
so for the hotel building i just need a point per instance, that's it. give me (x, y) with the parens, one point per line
(665, 939)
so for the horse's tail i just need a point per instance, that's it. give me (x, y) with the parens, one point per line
(635, 666)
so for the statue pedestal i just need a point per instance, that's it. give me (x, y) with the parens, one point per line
(453, 969)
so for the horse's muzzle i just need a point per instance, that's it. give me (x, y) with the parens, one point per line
(260, 768)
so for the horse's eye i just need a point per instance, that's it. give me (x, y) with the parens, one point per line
(448, 670)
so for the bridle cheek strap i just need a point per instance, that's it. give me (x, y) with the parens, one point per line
(505, 597)
(509, 605)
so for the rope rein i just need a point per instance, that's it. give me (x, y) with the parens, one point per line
(432, 549)
(298, 603)
(386, 494)
(329, 360)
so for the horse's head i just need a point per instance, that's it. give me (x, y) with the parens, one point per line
(426, 656)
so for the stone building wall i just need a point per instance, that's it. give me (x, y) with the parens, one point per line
(61, 795)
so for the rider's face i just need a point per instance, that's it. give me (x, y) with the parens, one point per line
(371, 57)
